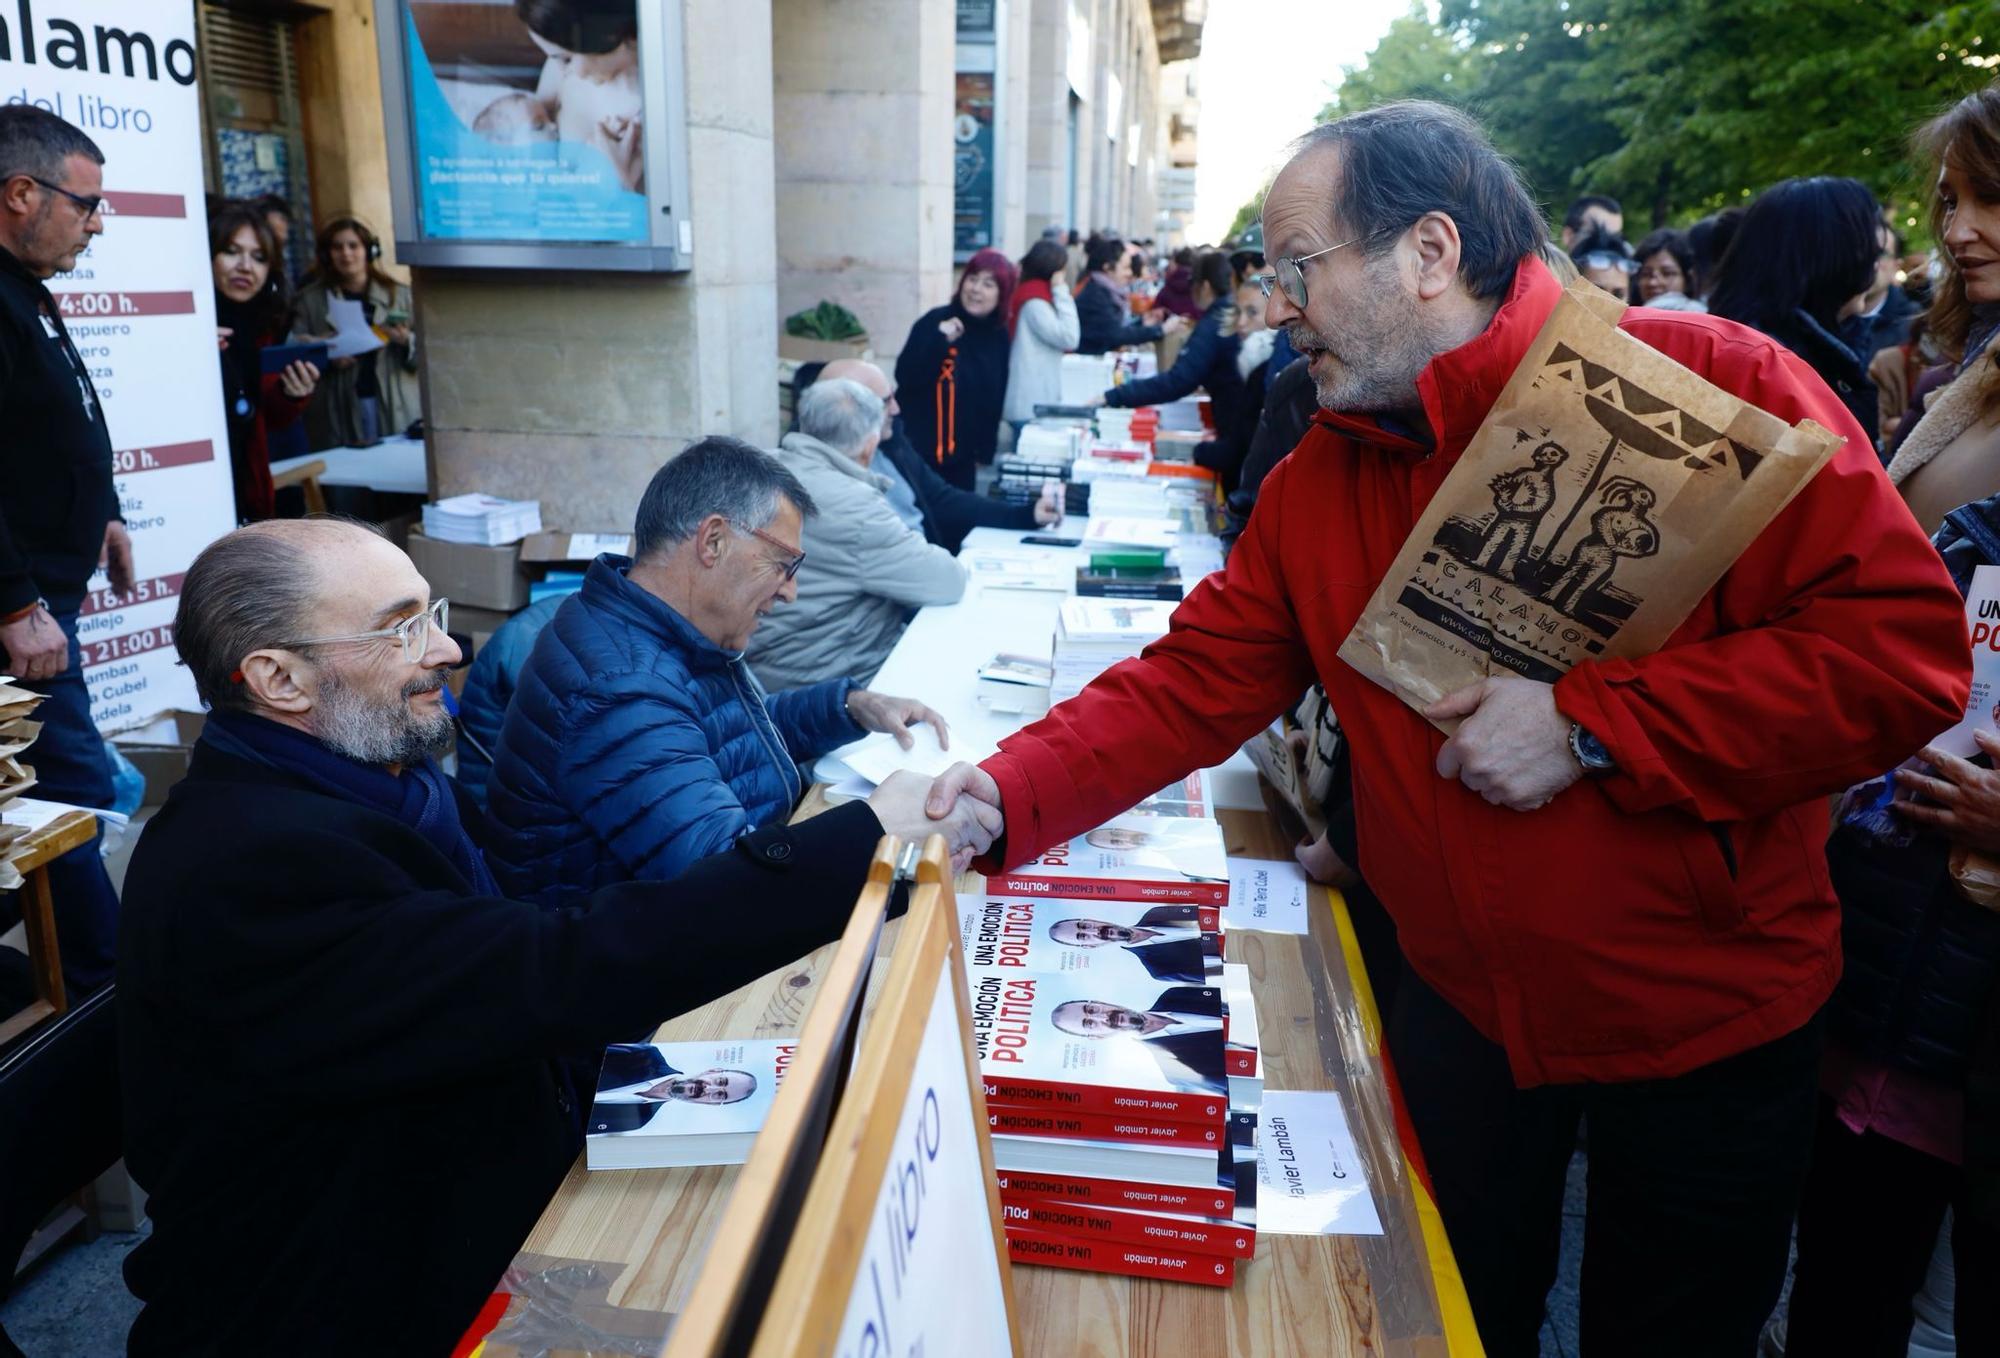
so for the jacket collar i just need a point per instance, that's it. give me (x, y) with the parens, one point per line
(609, 591)
(14, 268)
(808, 447)
(1458, 387)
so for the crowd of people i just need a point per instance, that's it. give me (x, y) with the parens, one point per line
(1606, 909)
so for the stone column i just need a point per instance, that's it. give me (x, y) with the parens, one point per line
(865, 92)
(573, 388)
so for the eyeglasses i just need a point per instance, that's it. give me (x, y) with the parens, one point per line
(797, 558)
(1291, 279)
(413, 632)
(1604, 259)
(90, 206)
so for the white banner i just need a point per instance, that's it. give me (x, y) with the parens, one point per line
(141, 307)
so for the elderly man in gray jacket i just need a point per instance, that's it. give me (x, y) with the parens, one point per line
(865, 570)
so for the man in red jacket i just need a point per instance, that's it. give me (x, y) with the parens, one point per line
(1610, 891)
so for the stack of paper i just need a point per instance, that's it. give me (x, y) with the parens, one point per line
(483, 520)
(17, 733)
(1092, 635)
(1107, 531)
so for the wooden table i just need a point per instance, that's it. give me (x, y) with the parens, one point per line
(31, 855)
(643, 1232)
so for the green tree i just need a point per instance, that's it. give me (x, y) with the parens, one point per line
(1678, 107)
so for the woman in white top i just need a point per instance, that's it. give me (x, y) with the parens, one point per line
(1044, 324)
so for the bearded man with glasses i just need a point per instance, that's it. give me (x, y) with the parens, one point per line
(351, 1065)
(1611, 890)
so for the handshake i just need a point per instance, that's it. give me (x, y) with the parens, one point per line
(962, 804)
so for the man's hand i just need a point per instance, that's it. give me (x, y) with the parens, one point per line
(1513, 747)
(1322, 864)
(1173, 325)
(1049, 509)
(36, 648)
(116, 558)
(969, 828)
(1962, 802)
(880, 712)
(962, 782)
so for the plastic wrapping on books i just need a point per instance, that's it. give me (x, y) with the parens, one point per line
(547, 1305)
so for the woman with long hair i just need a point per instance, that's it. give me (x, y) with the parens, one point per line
(365, 398)
(1042, 318)
(251, 304)
(1666, 270)
(1909, 1120)
(951, 378)
(1798, 266)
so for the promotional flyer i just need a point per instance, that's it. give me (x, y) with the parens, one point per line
(140, 306)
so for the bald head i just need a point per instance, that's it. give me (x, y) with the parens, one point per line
(282, 581)
(860, 370)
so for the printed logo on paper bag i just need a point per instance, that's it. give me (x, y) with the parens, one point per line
(1539, 579)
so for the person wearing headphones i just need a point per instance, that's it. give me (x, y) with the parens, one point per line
(361, 399)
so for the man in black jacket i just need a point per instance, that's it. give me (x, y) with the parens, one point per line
(59, 511)
(945, 513)
(351, 1069)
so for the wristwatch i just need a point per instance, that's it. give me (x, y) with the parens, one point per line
(1589, 751)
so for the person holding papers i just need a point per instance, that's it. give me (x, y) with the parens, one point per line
(637, 741)
(368, 396)
(352, 1067)
(1609, 889)
(870, 571)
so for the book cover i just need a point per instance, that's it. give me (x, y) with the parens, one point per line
(1120, 623)
(1190, 798)
(1124, 941)
(1083, 1043)
(1145, 858)
(1201, 1235)
(1025, 1246)
(682, 1103)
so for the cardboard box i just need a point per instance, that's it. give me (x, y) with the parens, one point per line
(823, 351)
(483, 577)
(582, 547)
(161, 750)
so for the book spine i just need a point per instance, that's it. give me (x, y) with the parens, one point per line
(1238, 1059)
(1068, 1126)
(1139, 890)
(1130, 589)
(1143, 1228)
(1110, 1256)
(1055, 1096)
(1134, 1194)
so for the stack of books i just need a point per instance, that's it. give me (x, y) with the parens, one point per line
(663, 1105)
(1092, 635)
(482, 520)
(1109, 1028)
(17, 733)
(1129, 573)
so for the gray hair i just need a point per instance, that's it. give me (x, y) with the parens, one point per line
(1399, 161)
(714, 475)
(842, 414)
(35, 142)
(248, 590)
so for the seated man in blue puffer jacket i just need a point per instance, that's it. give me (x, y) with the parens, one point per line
(638, 741)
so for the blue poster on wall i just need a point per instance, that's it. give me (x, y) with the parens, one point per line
(521, 135)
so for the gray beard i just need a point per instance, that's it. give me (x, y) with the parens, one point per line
(1380, 354)
(377, 733)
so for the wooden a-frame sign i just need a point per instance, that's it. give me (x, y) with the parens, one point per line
(728, 1299)
(899, 1248)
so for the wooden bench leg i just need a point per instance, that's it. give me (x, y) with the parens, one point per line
(38, 918)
